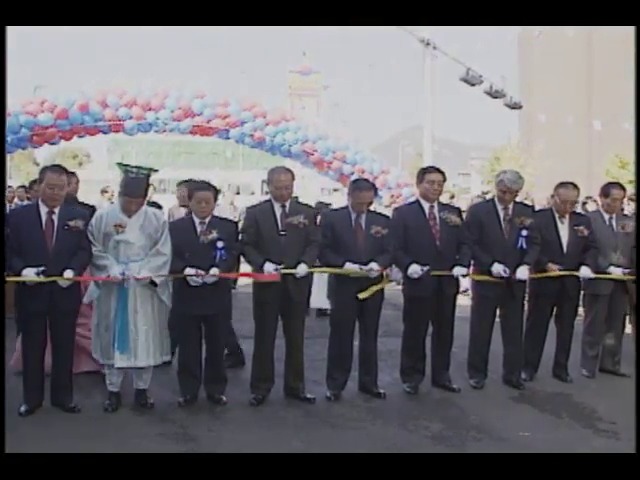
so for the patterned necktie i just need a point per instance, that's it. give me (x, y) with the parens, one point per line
(201, 226)
(433, 221)
(359, 231)
(611, 223)
(506, 222)
(49, 229)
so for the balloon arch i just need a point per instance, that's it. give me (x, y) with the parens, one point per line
(44, 121)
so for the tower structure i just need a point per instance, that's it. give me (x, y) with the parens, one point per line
(305, 87)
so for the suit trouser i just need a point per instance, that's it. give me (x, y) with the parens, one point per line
(603, 330)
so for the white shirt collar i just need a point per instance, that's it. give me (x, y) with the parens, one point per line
(501, 208)
(196, 221)
(44, 209)
(277, 205)
(607, 216)
(426, 205)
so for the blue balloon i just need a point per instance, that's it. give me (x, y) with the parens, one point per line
(27, 121)
(314, 137)
(246, 116)
(407, 192)
(69, 102)
(55, 141)
(285, 151)
(290, 138)
(185, 126)
(223, 134)
(164, 115)
(13, 125)
(209, 114)
(151, 116)
(324, 151)
(270, 131)
(248, 128)
(145, 127)
(235, 134)
(104, 128)
(172, 127)
(159, 128)
(198, 106)
(124, 113)
(296, 150)
(347, 169)
(209, 101)
(75, 117)
(112, 101)
(279, 140)
(260, 123)
(95, 110)
(302, 137)
(130, 127)
(235, 110)
(249, 141)
(171, 103)
(10, 148)
(268, 143)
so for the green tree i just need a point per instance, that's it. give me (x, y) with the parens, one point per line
(506, 157)
(22, 166)
(72, 157)
(621, 169)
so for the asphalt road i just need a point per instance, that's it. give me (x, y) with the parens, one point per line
(588, 416)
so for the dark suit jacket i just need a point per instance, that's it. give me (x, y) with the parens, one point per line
(261, 241)
(483, 228)
(414, 242)
(74, 202)
(581, 249)
(27, 248)
(339, 244)
(614, 248)
(189, 251)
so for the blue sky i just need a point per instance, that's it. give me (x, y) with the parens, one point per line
(374, 74)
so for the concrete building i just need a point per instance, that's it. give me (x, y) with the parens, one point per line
(578, 89)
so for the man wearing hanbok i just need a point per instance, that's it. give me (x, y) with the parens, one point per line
(132, 246)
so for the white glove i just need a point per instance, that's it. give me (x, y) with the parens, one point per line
(499, 270)
(617, 271)
(270, 268)
(68, 273)
(191, 277)
(353, 266)
(373, 270)
(32, 272)
(522, 273)
(585, 273)
(459, 271)
(302, 270)
(212, 277)
(395, 275)
(415, 271)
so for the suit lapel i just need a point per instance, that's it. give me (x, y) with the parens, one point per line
(514, 230)
(554, 224)
(497, 217)
(39, 222)
(573, 223)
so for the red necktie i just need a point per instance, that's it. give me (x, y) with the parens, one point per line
(49, 229)
(433, 221)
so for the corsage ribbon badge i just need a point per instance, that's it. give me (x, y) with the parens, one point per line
(220, 251)
(522, 239)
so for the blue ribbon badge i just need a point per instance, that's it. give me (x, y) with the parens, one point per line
(220, 251)
(522, 239)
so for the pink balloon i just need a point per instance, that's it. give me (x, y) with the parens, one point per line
(184, 105)
(336, 165)
(223, 103)
(101, 99)
(49, 106)
(137, 113)
(259, 112)
(218, 123)
(143, 103)
(82, 106)
(249, 105)
(179, 115)
(199, 121)
(259, 136)
(221, 112)
(128, 101)
(233, 122)
(163, 94)
(340, 156)
(60, 113)
(381, 182)
(156, 104)
(33, 109)
(110, 115)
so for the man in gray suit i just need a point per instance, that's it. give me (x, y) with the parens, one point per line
(606, 301)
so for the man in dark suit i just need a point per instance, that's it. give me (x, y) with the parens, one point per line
(503, 246)
(72, 195)
(280, 233)
(606, 301)
(203, 246)
(567, 243)
(428, 236)
(48, 238)
(358, 239)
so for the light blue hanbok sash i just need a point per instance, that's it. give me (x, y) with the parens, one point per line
(121, 337)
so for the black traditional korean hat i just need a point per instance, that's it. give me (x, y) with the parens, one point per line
(135, 180)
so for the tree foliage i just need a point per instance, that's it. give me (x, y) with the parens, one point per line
(71, 157)
(506, 157)
(623, 170)
(22, 166)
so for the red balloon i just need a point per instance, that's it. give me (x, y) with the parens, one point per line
(78, 130)
(259, 136)
(110, 115)
(66, 135)
(49, 107)
(93, 131)
(117, 127)
(179, 115)
(221, 112)
(82, 106)
(38, 139)
(61, 113)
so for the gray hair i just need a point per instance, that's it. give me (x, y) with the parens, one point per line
(512, 179)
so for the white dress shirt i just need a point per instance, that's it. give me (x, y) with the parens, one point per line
(607, 217)
(563, 229)
(197, 222)
(426, 205)
(501, 211)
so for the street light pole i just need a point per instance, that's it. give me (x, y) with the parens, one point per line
(427, 132)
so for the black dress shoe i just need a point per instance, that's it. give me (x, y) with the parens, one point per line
(301, 397)
(587, 374)
(219, 400)
(26, 411)
(374, 393)
(562, 377)
(616, 373)
(333, 396)
(447, 387)
(476, 383)
(68, 407)
(113, 402)
(187, 401)
(527, 376)
(257, 400)
(410, 388)
(142, 399)
(515, 384)
(234, 359)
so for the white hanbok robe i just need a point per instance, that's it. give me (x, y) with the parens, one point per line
(137, 335)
